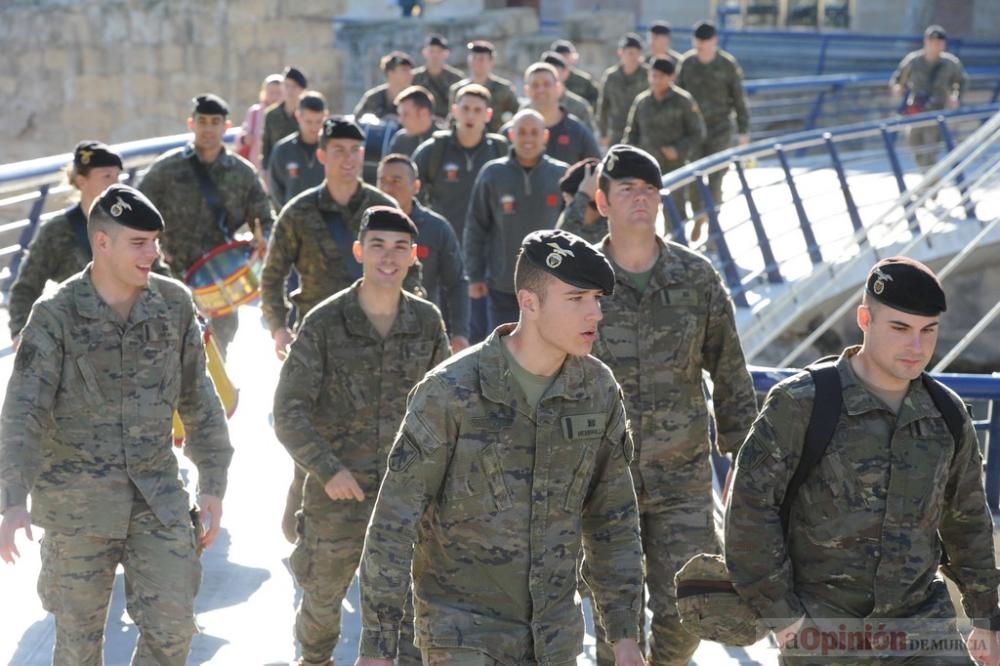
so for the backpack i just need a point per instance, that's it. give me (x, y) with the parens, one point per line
(435, 159)
(707, 602)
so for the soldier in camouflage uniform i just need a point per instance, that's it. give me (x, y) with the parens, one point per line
(503, 98)
(665, 122)
(195, 226)
(619, 87)
(61, 248)
(669, 321)
(933, 80)
(660, 37)
(894, 496)
(279, 120)
(436, 75)
(578, 81)
(338, 404)
(580, 216)
(380, 101)
(511, 457)
(102, 365)
(715, 80)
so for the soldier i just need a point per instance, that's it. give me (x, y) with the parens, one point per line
(578, 80)
(715, 80)
(416, 118)
(659, 38)
(504, 99)
(279, 120)
(933, 80)
(438, 249)
(580, 215)
(569, 100)
(294, 165)
(380, 100)
(339, 401)
(669, 321)
(61, 247)
(102, 365)
(206, 195)
(436, 75)
(619, 87)
(512, 197)
(569, 140)
(897, 492)
(665, 122)
(510, 458)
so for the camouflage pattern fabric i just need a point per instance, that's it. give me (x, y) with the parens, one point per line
(504, 100)
(618, 91)
(506, 495)
(580, 83)
(915, 74)
(571, 220)
(439, 86)
(278, 124)
(375, 101)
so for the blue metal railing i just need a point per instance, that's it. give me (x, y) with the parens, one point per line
(968, 387)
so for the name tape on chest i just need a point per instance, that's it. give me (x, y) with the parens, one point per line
(681, 296)
(583, 426)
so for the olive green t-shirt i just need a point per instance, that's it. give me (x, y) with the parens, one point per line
(638, 280)
(534, 386)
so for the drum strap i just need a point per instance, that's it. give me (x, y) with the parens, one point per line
(79, 225)
(210, 192)
(342, 237)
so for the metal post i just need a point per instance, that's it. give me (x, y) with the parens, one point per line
(676, 222)
(814, 112)
(721, 247)
(852, 209)
(770, 265)
(807, 233)
(949, 144)
(27, 235)
(821, 60)
(889, 139)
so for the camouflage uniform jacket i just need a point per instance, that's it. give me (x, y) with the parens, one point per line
(582, 84)
(717, 86)
(302, 239)
(658, 343)
(868, 526)
(504, 100)
(508, 495)
(914, 73)
(673, 121)
(89, 410)
(618, 91)
(342, 391)
(440, 86)
(376, 101)
(190, 230)
(278, 124)
(571, 220)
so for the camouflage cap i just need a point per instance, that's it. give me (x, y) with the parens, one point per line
(709, 606)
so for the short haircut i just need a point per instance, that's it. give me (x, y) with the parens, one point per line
(395, 59)
(537, 67)
(476, 90)
(100, 220)
(399, 158)
(421, 97)
(312, 100)
(530, 277)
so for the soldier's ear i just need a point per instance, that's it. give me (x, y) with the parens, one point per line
(489, 114)
(357, 251)
(864, 318)
(416, 185)
(601, 200)
(190, 123)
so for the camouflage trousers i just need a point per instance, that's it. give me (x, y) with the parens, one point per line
(162, 577)
(456, 656)
(717, 140)
(924, 142)
(325, 559)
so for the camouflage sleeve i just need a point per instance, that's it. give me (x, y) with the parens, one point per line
(694, 130)
(417, 464)
(611, 540)
(739, 100)
(902, 73)
(30, 395)
(961, 80)
(414, 280)
(967, 535)
(754, 539)
(733, 392)
(478, 223)
(206, 440)
(282, 251)
(603, 107)
(633, 132)
(571, 218)
(303, 376)
(36, 268)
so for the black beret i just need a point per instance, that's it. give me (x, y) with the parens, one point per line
(396, 59)
(630, 40)
(563, 46)
(704, 30)
(624, 161)
(570, 182)
(93, 154)
(130, 207)
(436, 40)
(553, 58)
(312, 100)
(481, 46)
(907, 285)
(935, 32)
(209, 105)
(387, 218)
(342, 127)
(297, 76)
(660, 28)
(665, 65)
(569, 258)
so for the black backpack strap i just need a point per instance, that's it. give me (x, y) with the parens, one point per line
(210, 192)
(78, 223)
(342, 238)
(953, 411)
(822, 424)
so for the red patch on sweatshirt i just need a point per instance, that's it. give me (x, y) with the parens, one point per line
(423, 252)
(552, 200)
(563, 139)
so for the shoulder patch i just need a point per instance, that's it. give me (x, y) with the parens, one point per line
(403, 454)
(751, 455)
(25, 356)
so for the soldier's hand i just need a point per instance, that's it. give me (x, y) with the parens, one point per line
(743, 139)
(984, 647)
(589, 183)
(478, 290)
(342, 486)
(14, 519)
(458, 343)
(282, 339)
(211, 518)
(670, 153)
(372, 661)
(627, 653)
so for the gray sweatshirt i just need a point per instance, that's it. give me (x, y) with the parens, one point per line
(444, 270)
(293, 169)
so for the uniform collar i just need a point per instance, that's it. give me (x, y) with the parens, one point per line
(326, 201)
(357, 322)
(225, 158)
(150, 305)
(668, 269)
(917, 403)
